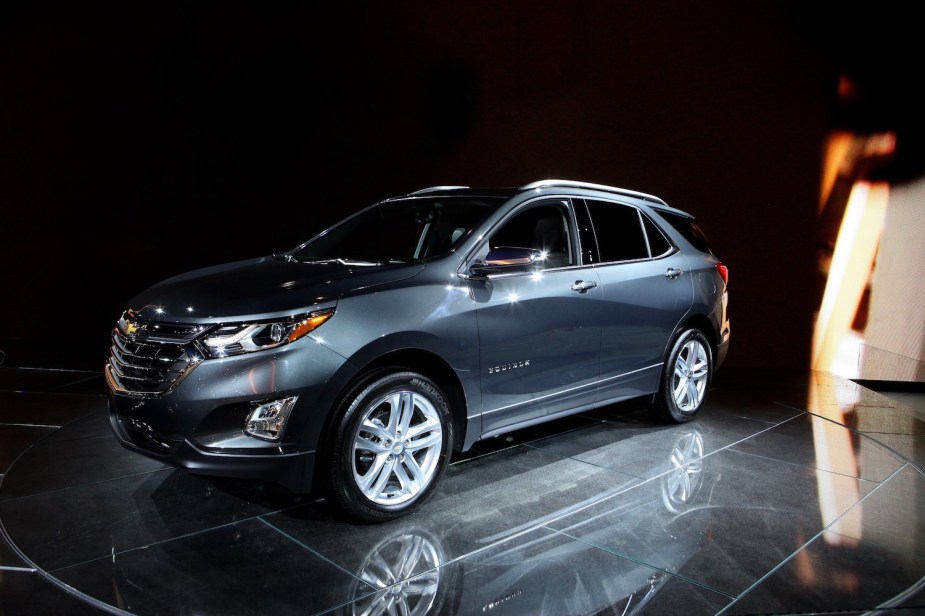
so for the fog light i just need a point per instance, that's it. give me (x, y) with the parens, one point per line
(267, 420)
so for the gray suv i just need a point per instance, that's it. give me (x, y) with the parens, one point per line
(356, 363)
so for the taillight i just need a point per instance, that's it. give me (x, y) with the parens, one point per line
(723, 272)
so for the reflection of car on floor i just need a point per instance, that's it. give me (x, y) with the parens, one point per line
(543, 573)
(408, 573)
(360, 360)
(406, 568)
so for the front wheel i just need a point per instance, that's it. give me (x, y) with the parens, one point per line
(393, 441)
(686, 378)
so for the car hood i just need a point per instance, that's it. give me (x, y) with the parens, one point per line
(265, 287)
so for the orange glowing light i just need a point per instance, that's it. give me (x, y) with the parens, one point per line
(308, 325)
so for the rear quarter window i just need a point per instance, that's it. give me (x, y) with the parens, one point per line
(689, 228)
(658, 243)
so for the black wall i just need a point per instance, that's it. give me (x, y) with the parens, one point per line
(139, 140)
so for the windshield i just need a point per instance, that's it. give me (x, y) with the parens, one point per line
(401, 230)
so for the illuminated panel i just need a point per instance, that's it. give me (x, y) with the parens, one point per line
(849, 272)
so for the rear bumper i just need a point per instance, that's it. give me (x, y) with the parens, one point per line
(722, 348)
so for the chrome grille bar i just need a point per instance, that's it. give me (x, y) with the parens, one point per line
(150, 358)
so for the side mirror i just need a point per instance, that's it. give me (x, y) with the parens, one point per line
(507, 260)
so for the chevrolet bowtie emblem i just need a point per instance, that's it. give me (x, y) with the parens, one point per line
(130, 328)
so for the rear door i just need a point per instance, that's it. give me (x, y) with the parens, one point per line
(646, 291)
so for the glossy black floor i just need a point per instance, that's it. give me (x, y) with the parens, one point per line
(791, 494)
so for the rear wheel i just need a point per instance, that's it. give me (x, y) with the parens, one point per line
(393, 441)
(685, 379)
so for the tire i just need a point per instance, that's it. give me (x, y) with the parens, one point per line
(378, 472)
(686, 378)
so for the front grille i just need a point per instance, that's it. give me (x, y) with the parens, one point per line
(148, 357)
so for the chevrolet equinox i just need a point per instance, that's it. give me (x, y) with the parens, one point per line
(356, 363)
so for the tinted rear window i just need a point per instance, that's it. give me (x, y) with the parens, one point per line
(658, 245)
(618, 229)
(689, 229)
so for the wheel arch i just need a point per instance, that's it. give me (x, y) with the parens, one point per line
(705, 325)
(439, 370)
(697, 321)
(423, 361)
(661, 404)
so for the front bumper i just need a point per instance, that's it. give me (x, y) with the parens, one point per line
(199, 424)
(292, 471)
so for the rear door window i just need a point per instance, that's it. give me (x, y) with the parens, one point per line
(618, 231)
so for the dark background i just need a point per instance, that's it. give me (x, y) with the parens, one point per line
(140, 140)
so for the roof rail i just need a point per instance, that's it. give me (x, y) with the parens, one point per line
(590, 186)
(435, 189)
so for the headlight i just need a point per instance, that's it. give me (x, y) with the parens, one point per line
(228, 340)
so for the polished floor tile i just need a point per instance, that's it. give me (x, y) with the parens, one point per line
(94, 423)
(871, 561)
(9, 558)
(910, 447)
(818, 443)
(546, 573)
(790, 493)
(723, 521)
(38, 380)
(127, 513)
(242, 568)
(82, 462)
(15, 439)
(46, 409)
(744, 404)
(478, 503)
(539, 572)
(24, 593)
(644, 449)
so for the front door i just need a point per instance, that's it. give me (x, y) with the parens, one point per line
(539, 331)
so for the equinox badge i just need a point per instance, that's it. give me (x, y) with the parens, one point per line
(510, 366)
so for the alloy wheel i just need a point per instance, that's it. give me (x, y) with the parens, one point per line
(396, 450)
(691, 372)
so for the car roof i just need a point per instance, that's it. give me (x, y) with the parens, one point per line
(540, 185)
(464, 191)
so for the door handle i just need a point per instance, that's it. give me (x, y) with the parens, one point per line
(673, 273)
(583, 286)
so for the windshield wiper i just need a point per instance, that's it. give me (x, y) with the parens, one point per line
(341, 260)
